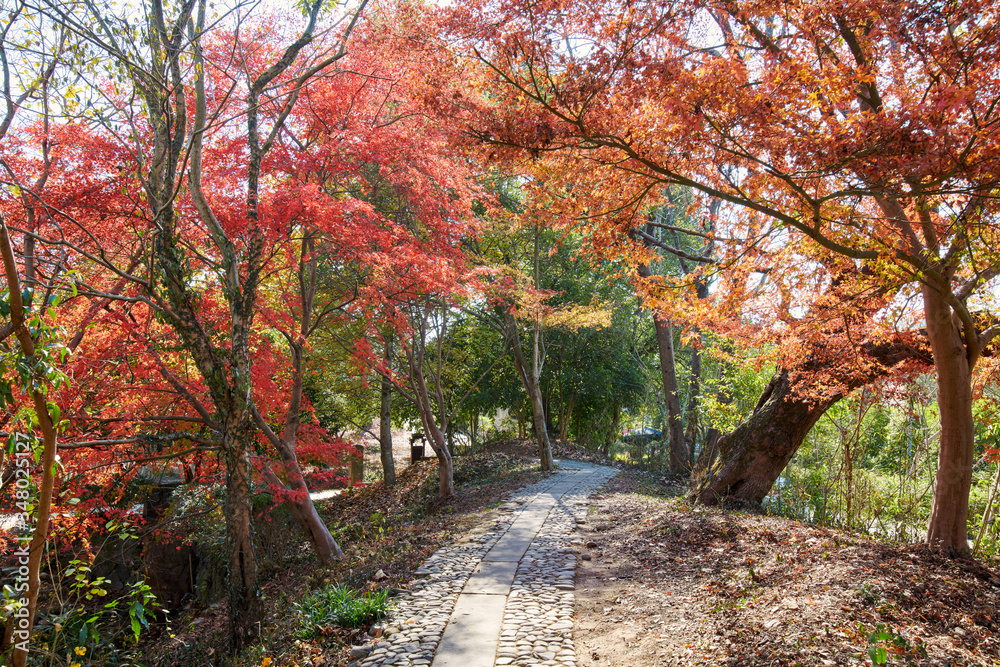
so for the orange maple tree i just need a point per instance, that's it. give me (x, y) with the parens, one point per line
(853, 140)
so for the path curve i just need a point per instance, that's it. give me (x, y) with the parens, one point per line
(505, 598)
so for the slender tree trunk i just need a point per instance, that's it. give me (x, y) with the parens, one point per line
(32, 560)
(564, 419)
(948, 528)
(541, 431)
(303, 509)
(528, 372)
(446, 470)
(675, 425)
(422, 400)
(385, 435)
(245, 612)
(535, 390)
(691, 411)
(385, 425)
(326, 548)
(299, 503)
(616, 422)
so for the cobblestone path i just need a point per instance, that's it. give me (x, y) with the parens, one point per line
(505, 598)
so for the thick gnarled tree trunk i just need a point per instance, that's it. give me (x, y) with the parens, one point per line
(753, 455)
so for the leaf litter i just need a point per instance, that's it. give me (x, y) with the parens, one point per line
(664, 583)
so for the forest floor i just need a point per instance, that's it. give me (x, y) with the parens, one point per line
(671, 584)
(659, 582)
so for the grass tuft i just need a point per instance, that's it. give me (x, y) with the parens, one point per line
(340, 606)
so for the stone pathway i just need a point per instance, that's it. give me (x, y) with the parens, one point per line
(504, 598)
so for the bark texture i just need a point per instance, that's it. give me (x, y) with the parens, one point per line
(298, 501)
(244, 605)
(527, 371)
(755, 453)
(675, 424)
(678, 457)
(20, 637)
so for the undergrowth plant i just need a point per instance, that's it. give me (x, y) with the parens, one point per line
(884, 642)
(340, 606)
(90, 629)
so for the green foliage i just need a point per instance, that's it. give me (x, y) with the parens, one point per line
(733, 389)
(866, 465)
(884, 640)
(90, 627)
(340, 606)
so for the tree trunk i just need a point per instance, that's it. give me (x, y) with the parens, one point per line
(538, 407)
(753, 455)
(675, 426)
(300, 504)
(541, 431)
(326, 548)
(357, 465)
(541, 428)
(304, 511)
(385, 433)
(29, 561)
(948, 528)
(616, 421)
(564, 419)
(529, 379)
(245, 612)
(691, 411)
(446, 471)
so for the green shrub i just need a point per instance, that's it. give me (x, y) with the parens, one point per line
(339, 605)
